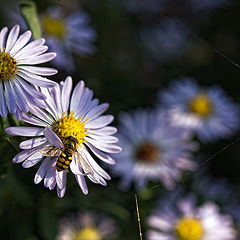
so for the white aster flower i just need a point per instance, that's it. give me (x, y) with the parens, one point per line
(152, 150)
(68, 129)
(68, 34)
(86, 226)
(186, 221)
(17, 75)
(206, 111)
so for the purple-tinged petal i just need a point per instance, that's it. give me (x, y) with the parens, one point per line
(21, 42)
(10, 99)
(52, 138)
(31, 143)
(52, 186)
(31, 54)
(104, 139)
(43, 71)
(12, 37)
(76, 96)
(102, 156)
(82, 183)
(110, 148)
(61, 179)
(105, 131)
(3, 105)
(66, 91)
(99, 122)
(2, 38)
(36, 43)
(56, 96)
(33, 160)
(95, 166)
(97, 111)
(18, 114)
(30, 89)
(75, 166)
(41, 114)
(39, 59)
(19, 96)
(24, 131)
(50, 176)
(37, 80)
(46, 164)
(33, 120)
(23, 155)
(61, 192)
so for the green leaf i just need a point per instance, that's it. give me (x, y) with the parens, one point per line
(30, 14)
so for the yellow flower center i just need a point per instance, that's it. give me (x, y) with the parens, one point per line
(89, 233)
(147, 152)
(8, 66)
(201, 105)
(54, 26)
(68, 126)
(188, 228)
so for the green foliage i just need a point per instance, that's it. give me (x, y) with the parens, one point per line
(30, 14)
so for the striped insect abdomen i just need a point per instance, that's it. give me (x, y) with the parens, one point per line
(64, 161)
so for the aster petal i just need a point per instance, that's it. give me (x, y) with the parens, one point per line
(76, 96)
(111, 148)
(19, 96)
(66, 91)
(3, 105)
(12, 106)
(52, 186)
(56, 96)
(30, 89)
(31, 143)
(12, 37)
(31, 54)
(97, 111)
(24, 131)
(39, 59)
(61, 179)
(105, 131)
(23, 155)
(3, 37)
(104, 139)
(84, 103)
(52, 138)
(61, 192)
(50, 176)
(104, 157)
(46, 164)
(21, 42)
(75, 166)
(37, 80)
(43, 71)
(41, 114)
(99, 122)
(33, 160)
(36, 43)
(82, 183)
(95, 166)
(33, 120)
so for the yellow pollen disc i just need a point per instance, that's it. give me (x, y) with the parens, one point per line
(147, 152)
(189, 229)
(201, 105)
(8, 66)
(68, 126)
(89, 233)
(54, 26)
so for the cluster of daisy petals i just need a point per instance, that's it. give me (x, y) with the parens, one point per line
(68, 127)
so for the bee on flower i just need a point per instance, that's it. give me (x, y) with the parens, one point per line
(18, 75)
(152, 150)
(87, 226)
(187, 221)
(206, 111)
(64, 133)
(68, 34)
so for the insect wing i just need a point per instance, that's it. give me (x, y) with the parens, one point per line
(50, 151)
(84, 165)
